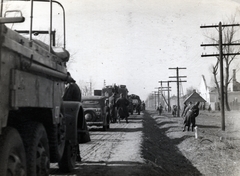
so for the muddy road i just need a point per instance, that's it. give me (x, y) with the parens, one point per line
(138, 148)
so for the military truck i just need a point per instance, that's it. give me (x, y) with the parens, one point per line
(136, 101)
(36, 127)
(108, 91)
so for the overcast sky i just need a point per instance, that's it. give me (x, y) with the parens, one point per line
(135, 42)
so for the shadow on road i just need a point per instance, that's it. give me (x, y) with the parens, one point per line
(208, 126)
(160, 150)
(125, 129)
(112, 168)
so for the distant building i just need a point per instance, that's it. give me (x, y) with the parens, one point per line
(194, 98)
(210, 94)
(235, 86)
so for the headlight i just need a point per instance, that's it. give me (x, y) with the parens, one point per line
(88, 117)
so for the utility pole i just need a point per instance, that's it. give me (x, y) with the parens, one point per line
(90, 88)
(220, 55)
(168, 90)
(178, 77)
(155, 98)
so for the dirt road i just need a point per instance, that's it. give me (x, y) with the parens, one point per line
(138, 148)
(153, 145)
(115, 152)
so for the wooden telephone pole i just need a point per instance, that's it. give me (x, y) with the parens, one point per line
(155, 98)
(168, 90)
(220, 55)
(178, 81)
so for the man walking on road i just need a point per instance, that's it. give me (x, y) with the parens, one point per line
(160, 109)
(122, 109)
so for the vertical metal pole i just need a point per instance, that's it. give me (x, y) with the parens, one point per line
(50, 30)
(31, 23)
(1, 10)
(64, 23)
(1, 46)
(221, 77)
(178, 94)
(54, 38)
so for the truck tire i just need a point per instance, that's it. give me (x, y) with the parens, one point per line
(36, 146)
(83, 133)
(12, 153)
(56, 135)
(68, 160)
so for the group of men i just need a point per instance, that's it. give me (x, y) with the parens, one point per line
(118, 107)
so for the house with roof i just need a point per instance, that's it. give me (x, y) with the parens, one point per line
(194, 98)
(210, 94)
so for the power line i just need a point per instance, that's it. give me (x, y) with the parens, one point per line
(178, 81)
(220, 55)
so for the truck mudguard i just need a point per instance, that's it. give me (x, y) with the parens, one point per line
(71, 111)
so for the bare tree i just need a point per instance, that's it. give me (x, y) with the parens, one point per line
(189, 91)
(86, 87)
(229, 35)
(215, 72)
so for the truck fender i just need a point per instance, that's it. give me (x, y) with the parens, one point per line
(70, 110)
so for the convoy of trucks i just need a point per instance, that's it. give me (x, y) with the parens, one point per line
(36, 126)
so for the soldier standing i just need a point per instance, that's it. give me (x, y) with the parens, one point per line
(122, 104)
(112, 106)
(73, 93)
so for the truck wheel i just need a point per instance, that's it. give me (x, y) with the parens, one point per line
(68, 160)
(36, 146)
(12, 153)
(83, 133)
(56, 134)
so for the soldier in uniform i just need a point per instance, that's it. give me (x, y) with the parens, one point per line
(73, 93)
(122, 104)
(112, 106)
